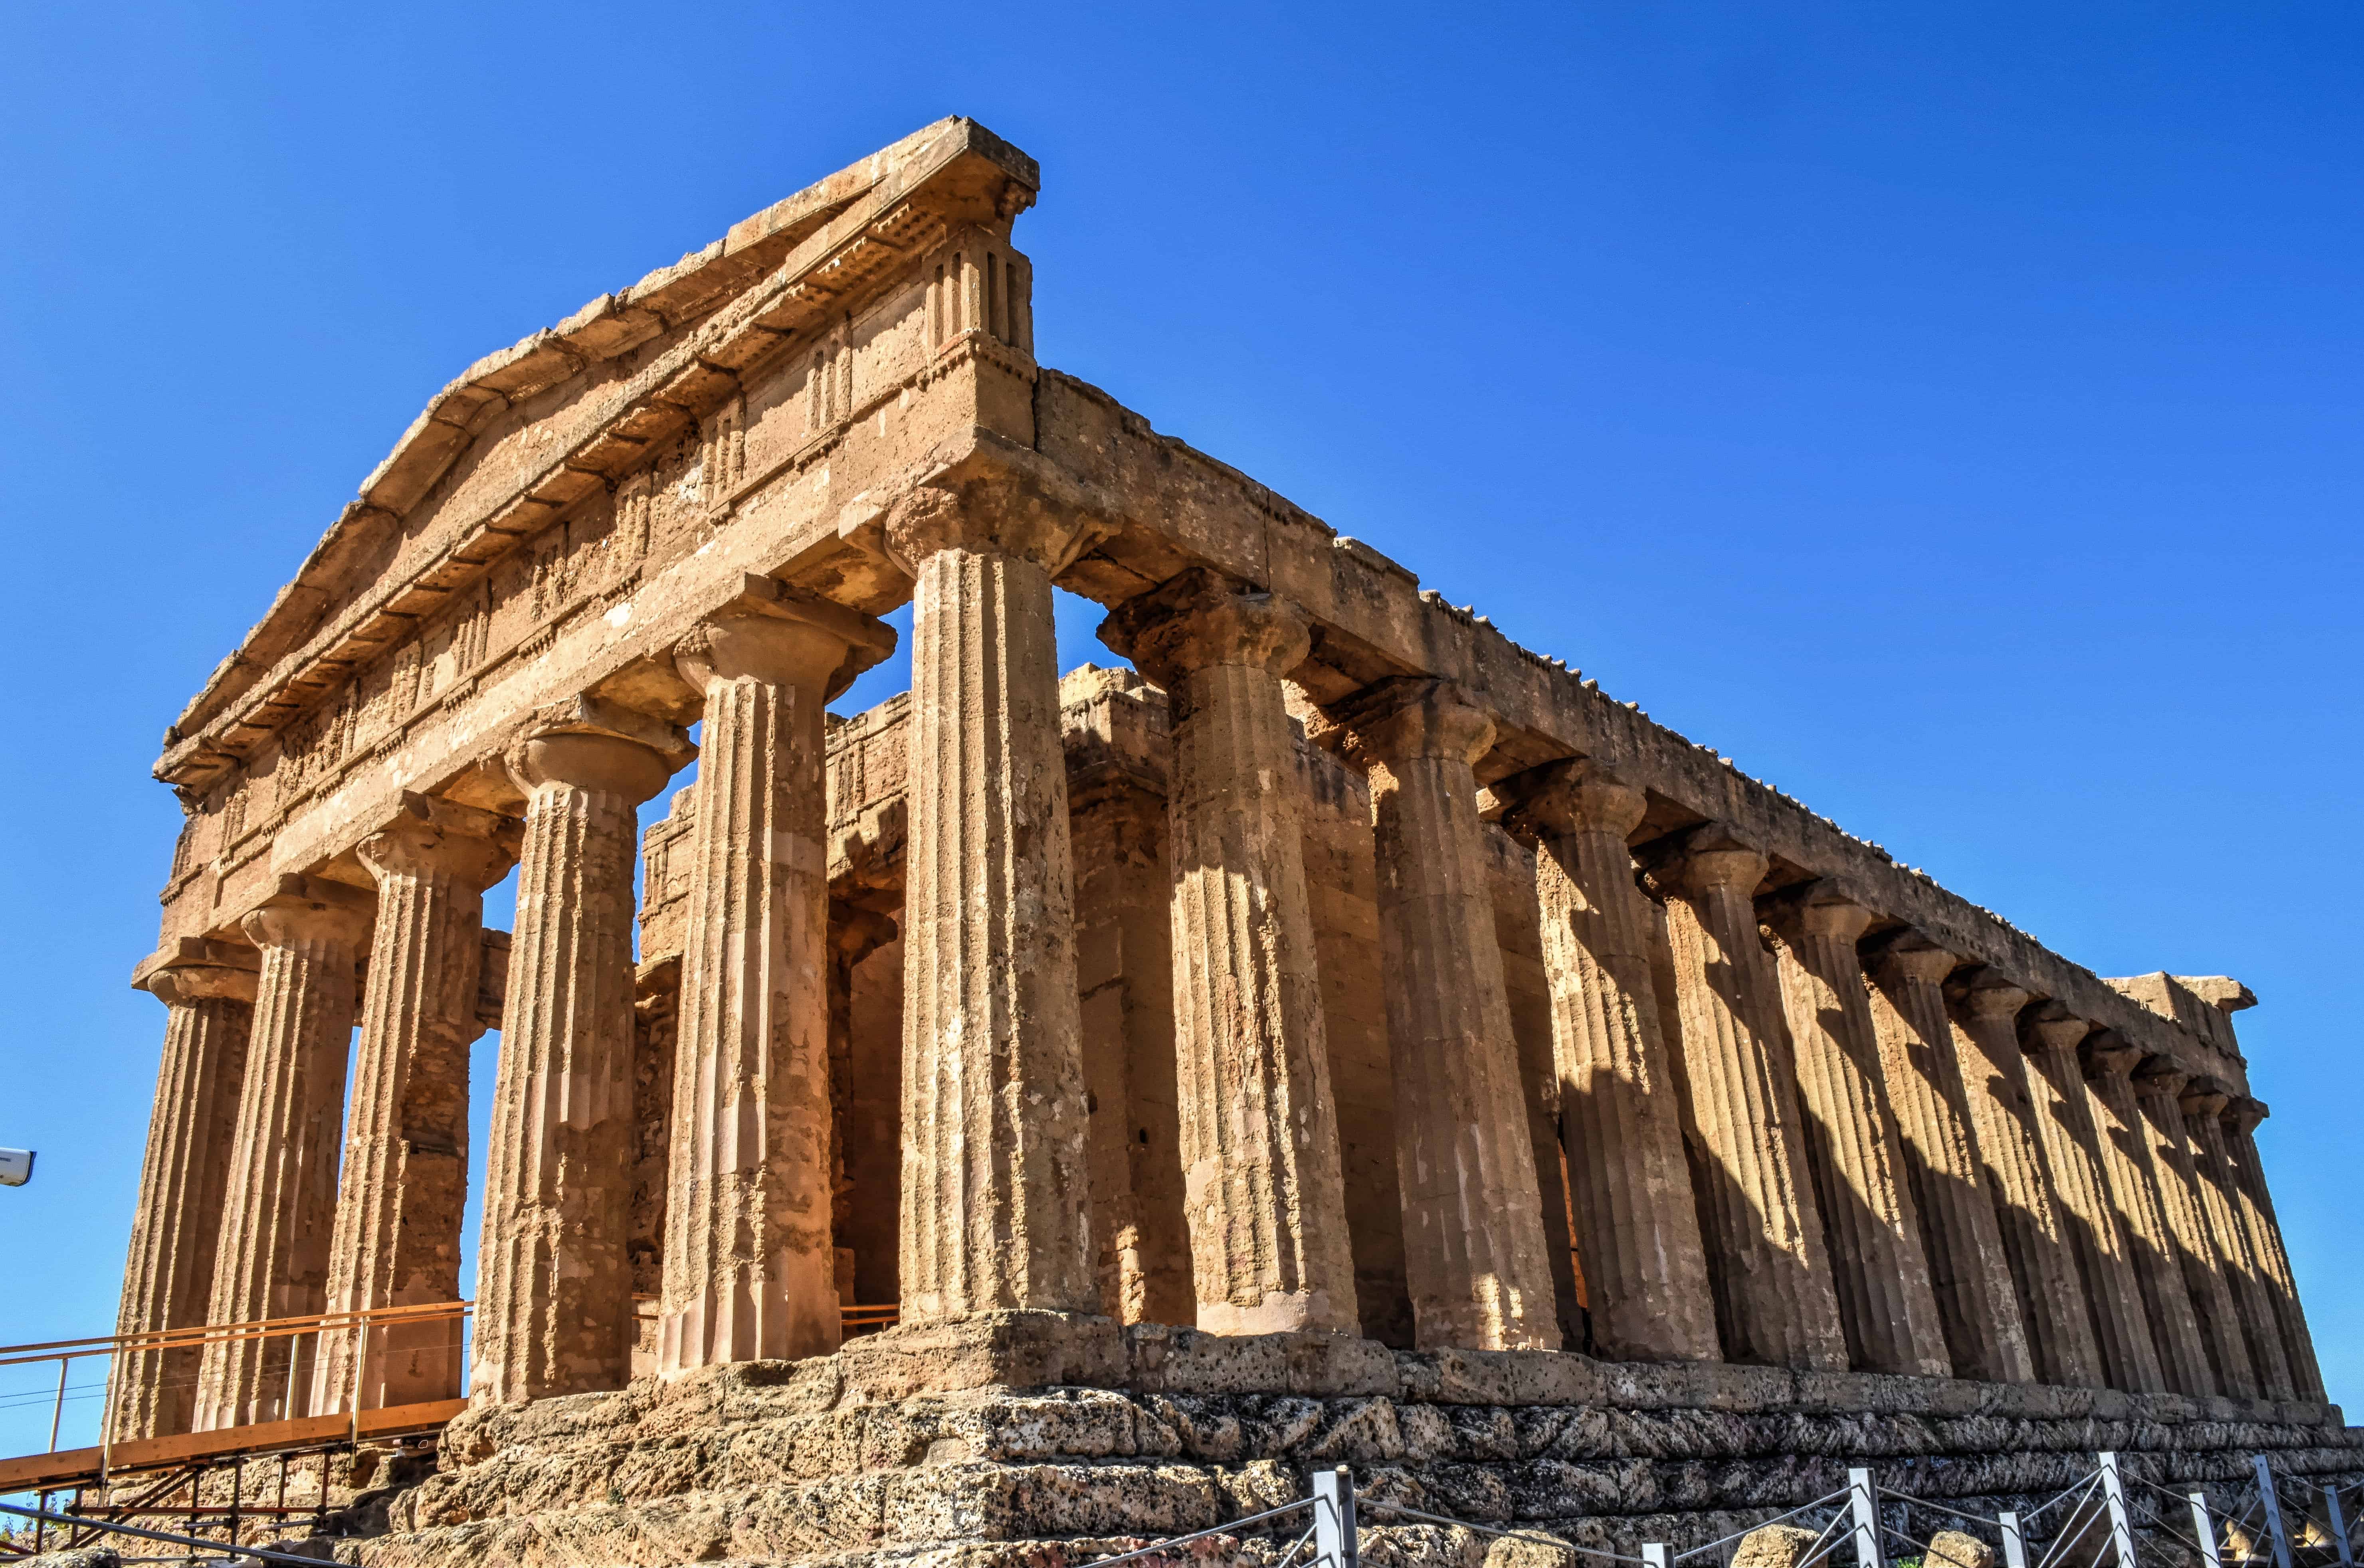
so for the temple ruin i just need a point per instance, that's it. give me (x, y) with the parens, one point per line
(1041, 1109)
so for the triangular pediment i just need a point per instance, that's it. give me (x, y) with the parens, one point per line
(526, 433)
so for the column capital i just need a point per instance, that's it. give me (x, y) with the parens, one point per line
(593, 744)
(1712, 856)
(1576, 795)
(995, 512)
(430, 836)
(186, 984)
(193, 963)
(2160, 1075)
(854, 932)
(788, 636)
(1398, 719)
(1823, 907)
(2053, 1027)
(2107, 1055)
(2242, 1113)
(2204, 1098)
(310, 910)
(1203, 619)
(1911, 956)
(1990, 994)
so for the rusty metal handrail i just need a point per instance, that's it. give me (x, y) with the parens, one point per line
(65, 1353)
(203, 1333)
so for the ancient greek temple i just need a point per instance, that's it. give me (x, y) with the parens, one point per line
(1340, 981)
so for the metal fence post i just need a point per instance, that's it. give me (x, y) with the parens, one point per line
(2338, 1522)
(2014, 1545)
(2122, 1530)
(2203, 1529)
(1333, 1517)
(2273, 1502)
(1865, 1503)
(1654, 1555)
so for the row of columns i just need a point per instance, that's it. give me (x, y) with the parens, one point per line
(1774, 1155)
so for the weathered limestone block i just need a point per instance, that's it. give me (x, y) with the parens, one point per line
(2044, 1269)
(2064, 1120)
(1620, 1123)
(751, 1261)
(1774, 1546)
(1977, 1305)
(2242, 1115)
(2159, 1090)
(1263, 1192)
(1853, 1148)
(404, 1179)
(2175, 1330)
(1775, 1303)
(1473, 1230)
(208, 990)
(280, 1205)
(2220, 1199)
(1958, 1549)
(554, 1292)
(996, 1190)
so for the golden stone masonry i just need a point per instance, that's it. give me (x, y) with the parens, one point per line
(1352, 1038)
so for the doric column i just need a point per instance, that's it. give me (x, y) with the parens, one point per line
(855, 933)
(2118, 1130)
(405, 1170)
(2241, 1118)
(1124, 964)
(1775, 1304)
(2207, 1275)
(1620, 1116)
(1977, 1305)
(2204, 1109)
(280, 1205)
(750, 1258)
(997, 1189)
(1261, 1188)
(1879, 1268)
(2002, 1110)
(2064, 1121)
(553, 1272)
(207, 989)
(1474, 1256)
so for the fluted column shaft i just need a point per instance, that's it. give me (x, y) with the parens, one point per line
(168, 1278)
(1474, 1256)
(1977, 1306)
(2241, 1119)
(404, 1180)
(996, 1190)
(553, 1273)
(2142, 1217)
(2072, 1151)
(1879, 1268)
(2002, 1108)
(1621, 1120)
(2207, 1275)
(1263, 1192)
(1124, 977)
(2220, 1200)
(280, 1205)
(1775, 1303)
(750, 1254)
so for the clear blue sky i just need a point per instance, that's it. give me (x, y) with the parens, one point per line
(1951, 413)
